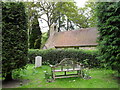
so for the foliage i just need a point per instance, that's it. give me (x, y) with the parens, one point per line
(48, 76)
(14, 38)
(89, 18)
(109, 31)
(18, 73)
(35, 35)
(37, 43)
(34, 30)
(30, 13)
(65, 14)
(44, 39)
(86, 74)
(55, 56)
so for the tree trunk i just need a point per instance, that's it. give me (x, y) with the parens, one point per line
(59, 24)
(67, 24)
(8, 77)
(48, 31)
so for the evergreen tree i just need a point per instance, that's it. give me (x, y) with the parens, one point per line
(109, 33)
(14, 38)
(35, 35)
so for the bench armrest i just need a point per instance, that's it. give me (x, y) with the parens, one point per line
(52, 66)
(80, 64)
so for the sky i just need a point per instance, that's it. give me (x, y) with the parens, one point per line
(44, 28)
(80, 3)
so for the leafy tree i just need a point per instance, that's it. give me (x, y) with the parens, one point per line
(76, 17)
(59, 12)
(46, 9)
(109, 33)
(88, 15)
(66, 11)
(34, 31)
(14, 38)
(30, 11)
(91, 14)
(67, 15)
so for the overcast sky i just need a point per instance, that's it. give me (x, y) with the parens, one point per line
(44, 28)
(80, 3)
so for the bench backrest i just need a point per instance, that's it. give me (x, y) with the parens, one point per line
(68, 63)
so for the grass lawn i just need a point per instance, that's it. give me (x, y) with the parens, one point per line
(101, 78)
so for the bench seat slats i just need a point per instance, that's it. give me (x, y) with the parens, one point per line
(67, 76)
(76, 69)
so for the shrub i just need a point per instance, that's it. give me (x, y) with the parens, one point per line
(14, 38)
(48, 76)
(109, 31)
(44, 39)
(53, 56)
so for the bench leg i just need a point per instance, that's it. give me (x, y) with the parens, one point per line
(81, 73)
(65, 73)
(53, 75)
(78, 73)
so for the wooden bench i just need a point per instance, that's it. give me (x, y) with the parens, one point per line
(67, 65)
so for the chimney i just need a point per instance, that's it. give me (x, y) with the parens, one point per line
(53, 29)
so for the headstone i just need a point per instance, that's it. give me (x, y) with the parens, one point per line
(38, 61)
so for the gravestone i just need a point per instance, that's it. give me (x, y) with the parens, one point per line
(38, 61)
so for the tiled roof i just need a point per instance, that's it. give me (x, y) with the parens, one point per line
(82, 37)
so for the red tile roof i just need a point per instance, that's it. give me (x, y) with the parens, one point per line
(82, 37)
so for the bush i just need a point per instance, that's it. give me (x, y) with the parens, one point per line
(109, 31)
(44, 39)
(14, 38)
(53, 56)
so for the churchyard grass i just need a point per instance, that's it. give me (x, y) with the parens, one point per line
(101, 78)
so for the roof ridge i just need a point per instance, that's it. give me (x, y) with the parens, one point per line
(77, 30)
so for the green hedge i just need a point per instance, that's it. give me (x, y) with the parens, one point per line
(109, 30)
(14, 38)
(54, 56)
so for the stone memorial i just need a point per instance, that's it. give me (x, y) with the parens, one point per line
(38, 61)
